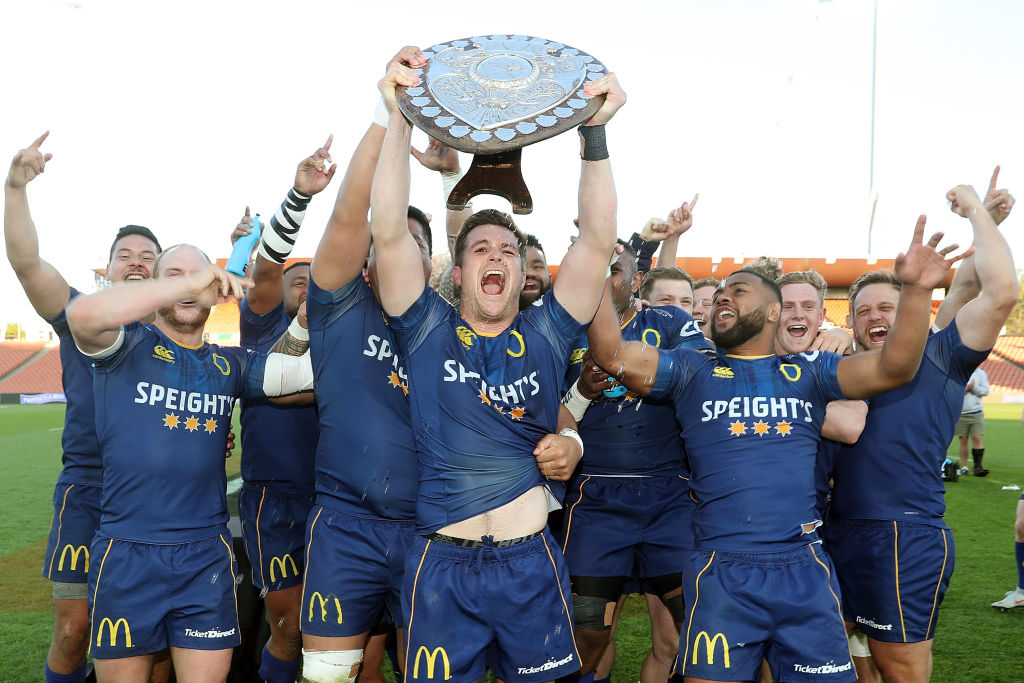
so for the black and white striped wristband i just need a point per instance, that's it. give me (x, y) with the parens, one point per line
(279, 239)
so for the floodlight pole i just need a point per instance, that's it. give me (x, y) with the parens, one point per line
(871, 162)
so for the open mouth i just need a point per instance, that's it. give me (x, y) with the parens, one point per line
(877, 334)
(724, 314)
(493, 282)
(531, 285)
(797, 331)
(134, 277)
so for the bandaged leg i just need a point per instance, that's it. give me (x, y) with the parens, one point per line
(331, 666)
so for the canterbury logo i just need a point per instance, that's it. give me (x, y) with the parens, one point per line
(75, 553)
(279, 563)
(710, 643)
(323, 606)
(577, 356)
(163, 353)
(466, 335)
(115, 629)
(222, 364)
(431, 658)
(722, 373)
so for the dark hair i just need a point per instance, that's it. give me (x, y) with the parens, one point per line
(766, 281)
(421, 218)
(295, 265)
(489, 217)
(134, 230)
(663, 273)
(532, 241)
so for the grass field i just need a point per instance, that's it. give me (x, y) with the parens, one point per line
(974, 641)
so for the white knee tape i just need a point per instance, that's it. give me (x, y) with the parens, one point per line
(330, 666)
(859, 645)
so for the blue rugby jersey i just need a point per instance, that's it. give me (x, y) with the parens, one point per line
(81, 451)
(480, 403)
(162, 416)
(278, 441)
(630, 434)
(751, 428)
(366, 458)
(894, 471)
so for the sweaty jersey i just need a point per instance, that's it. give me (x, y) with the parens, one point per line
(894, 471)
(480, 403)
(81, 452)
(751, 428)
(278, 441)
(162, 416)
(631, 435)
(366, 458)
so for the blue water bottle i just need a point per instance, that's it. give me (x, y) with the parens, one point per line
(239, 260)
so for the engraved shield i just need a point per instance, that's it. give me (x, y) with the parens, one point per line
(492, 94)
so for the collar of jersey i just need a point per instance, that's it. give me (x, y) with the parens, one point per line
(631, 318)
(483, 334)
(184, 345)
(731, 355)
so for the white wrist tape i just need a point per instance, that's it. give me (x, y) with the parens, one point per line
(380, 115)
(286, 374)
(575, 402)
(298, 331)
(572, 434)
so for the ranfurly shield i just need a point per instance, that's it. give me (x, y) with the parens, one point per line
(493, 95)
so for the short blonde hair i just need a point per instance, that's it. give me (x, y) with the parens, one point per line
(805, 277)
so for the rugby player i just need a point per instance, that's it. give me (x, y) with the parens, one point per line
(757, 585)
(484, 385)
(279, 441)
(703, 294)
(165, 573)
(76, 498)
(876, 524)
(626, 506)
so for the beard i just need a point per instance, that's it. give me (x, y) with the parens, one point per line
(181, 325)
(745, 327)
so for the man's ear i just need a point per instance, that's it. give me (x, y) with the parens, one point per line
(774, 312)
(638, 279)
(457, 275)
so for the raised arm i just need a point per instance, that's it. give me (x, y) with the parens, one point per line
(399, 263)
(635, 364)
(966, 285)
(582, 271)
(921, 269)
(96, 320)
(981, 318)
(278, 238)
(342, 251)
(46, 289)
(679, 220)
(445, 160)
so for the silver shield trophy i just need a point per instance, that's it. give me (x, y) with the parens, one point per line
(493, 95)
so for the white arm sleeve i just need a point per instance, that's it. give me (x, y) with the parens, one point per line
(286, 374)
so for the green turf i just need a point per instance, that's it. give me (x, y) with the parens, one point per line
(974, 641)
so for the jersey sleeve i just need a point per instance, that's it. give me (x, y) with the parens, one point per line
(554, 323)
(413, 326)
(257, 330)
(324, 307)
(134, 334)
(253, 365)
(825, 366)
(59, 322)
(675, 368)
(679, 329)
(948, 351)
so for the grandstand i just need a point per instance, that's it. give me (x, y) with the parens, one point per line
(40, 376)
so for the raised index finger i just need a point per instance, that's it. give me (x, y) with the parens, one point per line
(693, 202)
(995, 179)
(330, 139)
(39, 140)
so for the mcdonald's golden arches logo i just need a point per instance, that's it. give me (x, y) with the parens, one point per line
(75, 553)
(323, 605)
(710, 643)
(431, 658)
(115, 629)
(279, 562)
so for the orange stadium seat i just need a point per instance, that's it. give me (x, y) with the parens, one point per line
(222, 326)
(1011, 347)
(1002, 376)
(14, 353)
(836, 311)
(41, 376)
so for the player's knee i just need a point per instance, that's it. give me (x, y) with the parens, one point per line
(669, 587)
(589, 612)
(331, 666)
(1019, 528)
(859, 644)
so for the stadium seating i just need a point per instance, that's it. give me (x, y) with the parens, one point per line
(222, 326)
(1011, 347)
(41, 376)
(1003, 377)
(14, 353)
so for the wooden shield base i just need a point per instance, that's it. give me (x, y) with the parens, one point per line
(499, 174)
